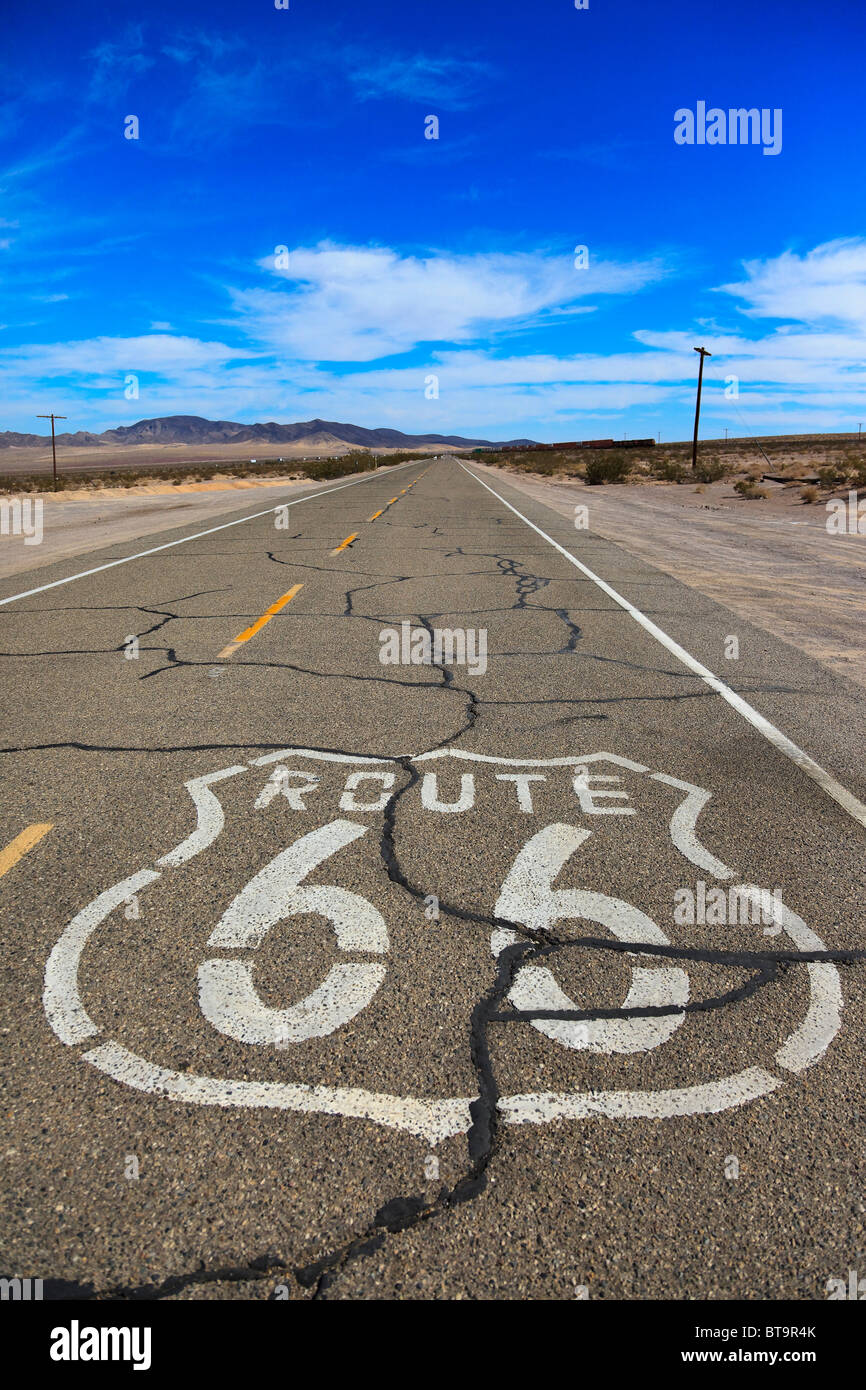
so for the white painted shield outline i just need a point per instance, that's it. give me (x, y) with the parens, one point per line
(433, 1120)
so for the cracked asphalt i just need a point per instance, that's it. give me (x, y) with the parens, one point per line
(518, 1072)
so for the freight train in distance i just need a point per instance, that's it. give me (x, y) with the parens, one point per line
(597, 444)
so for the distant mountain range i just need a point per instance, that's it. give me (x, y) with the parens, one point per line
(193, 430)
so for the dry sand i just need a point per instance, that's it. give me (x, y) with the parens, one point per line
(117, 456)
(772, 562)
(75, 523)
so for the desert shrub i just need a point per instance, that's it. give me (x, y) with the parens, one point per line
(809, 494)
(670, 471)
(316, 469)
(550, 464)
(607, 468)
(832, 476)
(748, 488)
(531, 460)
(390, 460)
(325, 469)
(711, 471)
(540, 461)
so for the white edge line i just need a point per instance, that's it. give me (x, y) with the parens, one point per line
(224, 526)
(828, 784)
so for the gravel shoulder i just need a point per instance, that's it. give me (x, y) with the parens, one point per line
(773, 563)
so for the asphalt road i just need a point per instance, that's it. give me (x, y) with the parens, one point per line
(404, 1002)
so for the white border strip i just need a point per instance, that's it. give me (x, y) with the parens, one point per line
(210, 817)
(431, 1120)
(828, 784)
(647, 1105)
(62, 1002)
(198, 535)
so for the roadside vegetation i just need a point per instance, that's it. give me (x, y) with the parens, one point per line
(317, 470)
(816, 465)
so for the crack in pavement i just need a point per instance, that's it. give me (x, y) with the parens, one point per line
(484, 1137)
(158, 611)
(349, 610)
(526, 584)
(68, 1290)
(178, 663)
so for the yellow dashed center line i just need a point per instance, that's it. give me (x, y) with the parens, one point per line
(17, 848)
(400, 494)
(343, 544)
(6, 863)
(260, 622)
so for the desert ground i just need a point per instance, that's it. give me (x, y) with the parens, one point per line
(158, 457)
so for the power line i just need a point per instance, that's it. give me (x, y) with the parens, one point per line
(52, 418)
(704, 353)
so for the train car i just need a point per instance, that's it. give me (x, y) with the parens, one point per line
(593, 444)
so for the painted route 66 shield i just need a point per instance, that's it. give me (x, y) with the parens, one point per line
(320, 938)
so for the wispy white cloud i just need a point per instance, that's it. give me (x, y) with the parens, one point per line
(232, 85)
(154, 352)
(116, 64)
(455, 82)
(816, 358)
(67, 146)
(358, 306)
(827, 285)
(351, 303)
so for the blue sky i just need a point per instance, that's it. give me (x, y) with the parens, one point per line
(411, 258)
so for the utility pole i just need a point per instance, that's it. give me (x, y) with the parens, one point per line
(52, 418)
(704, 353)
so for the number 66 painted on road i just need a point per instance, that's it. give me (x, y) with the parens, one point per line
(227, 995)
(230, 1001)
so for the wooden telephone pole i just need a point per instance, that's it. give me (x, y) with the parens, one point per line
(704, 353)
(52, 418)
